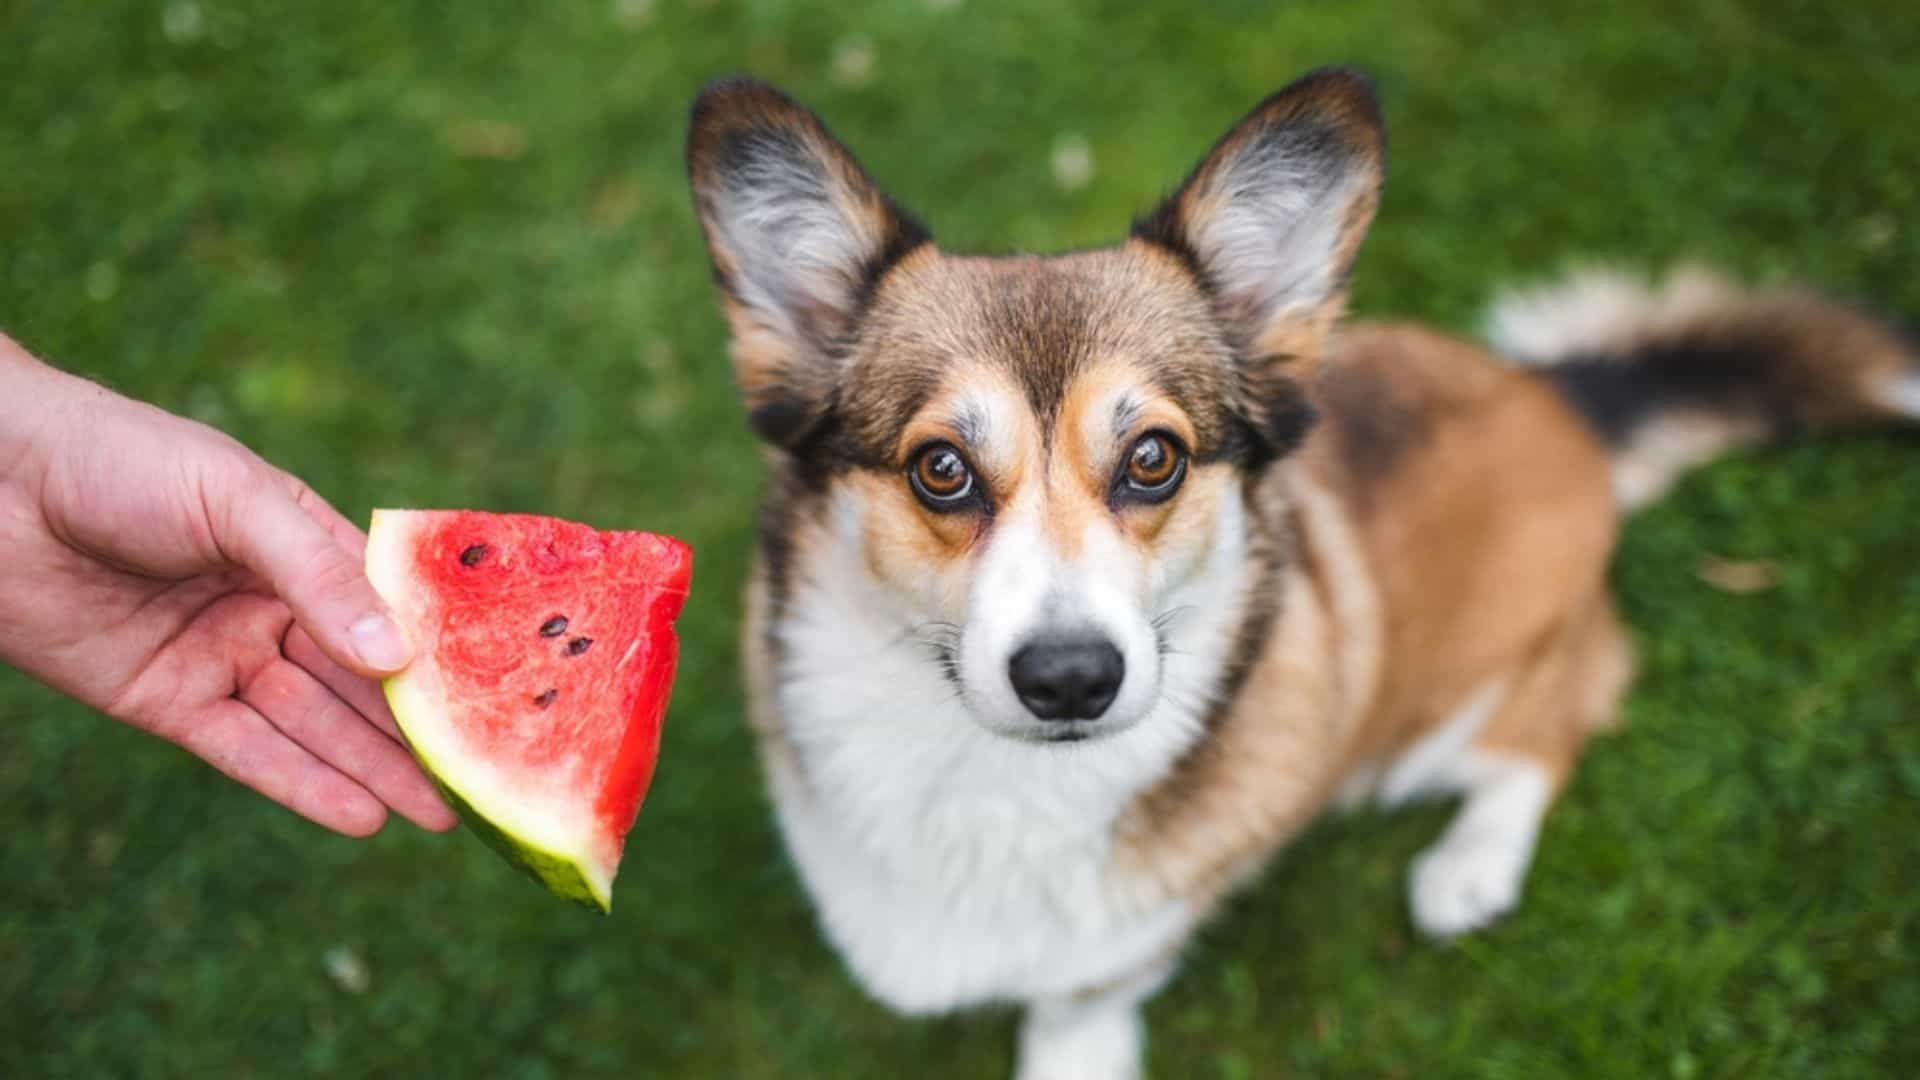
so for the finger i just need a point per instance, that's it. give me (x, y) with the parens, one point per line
(344, 531)
(239, 742)
(310, 714)
(366, 698)
(356, 690)
(266, 529)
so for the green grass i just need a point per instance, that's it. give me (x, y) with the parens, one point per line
(440, 254)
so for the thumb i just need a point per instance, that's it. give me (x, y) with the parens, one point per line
(320, 579)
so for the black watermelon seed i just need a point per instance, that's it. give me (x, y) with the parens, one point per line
(578, 645)
(473, 555)
(554, 627)
(545, 697)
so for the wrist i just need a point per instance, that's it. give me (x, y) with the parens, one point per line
(39, 398)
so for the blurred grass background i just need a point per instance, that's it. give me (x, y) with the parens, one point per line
(439, 254)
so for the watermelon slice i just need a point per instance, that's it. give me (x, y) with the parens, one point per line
(544, 657)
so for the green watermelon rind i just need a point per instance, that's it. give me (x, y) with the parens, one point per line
(560, 873)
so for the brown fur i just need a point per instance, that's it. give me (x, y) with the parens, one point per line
(1466, 543)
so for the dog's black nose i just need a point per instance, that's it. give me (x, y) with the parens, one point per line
(1067, 678)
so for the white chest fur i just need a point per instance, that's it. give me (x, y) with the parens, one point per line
(952, 866)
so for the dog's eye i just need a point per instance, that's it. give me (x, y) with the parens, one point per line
(940, 477)
(1155, 467)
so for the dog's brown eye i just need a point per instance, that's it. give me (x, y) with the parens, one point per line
(1155, 467)
(940, 477)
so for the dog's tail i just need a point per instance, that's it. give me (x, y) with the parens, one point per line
(1671, 376)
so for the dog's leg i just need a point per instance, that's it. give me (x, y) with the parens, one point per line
(1510, 772)
(1093, 1035)
(1472, 875)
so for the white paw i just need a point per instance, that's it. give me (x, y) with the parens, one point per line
(1101, 1044)
(1459, 885)
(1079, 1070)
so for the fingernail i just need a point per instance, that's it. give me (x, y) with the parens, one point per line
(380, 643)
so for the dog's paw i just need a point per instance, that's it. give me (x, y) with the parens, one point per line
(1108, 1067)
(1098, 1043)
(1461, 886)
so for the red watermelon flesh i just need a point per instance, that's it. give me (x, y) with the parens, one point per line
(545, 654)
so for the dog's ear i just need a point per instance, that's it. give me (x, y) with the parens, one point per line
(1271, 220)
(799, 237)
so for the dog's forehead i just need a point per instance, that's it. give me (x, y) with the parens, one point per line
(1038, 324)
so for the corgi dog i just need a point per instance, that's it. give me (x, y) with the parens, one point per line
(1085, 582)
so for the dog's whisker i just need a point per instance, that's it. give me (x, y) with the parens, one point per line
(1167, 618)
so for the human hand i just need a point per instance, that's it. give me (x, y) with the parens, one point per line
(160, 572)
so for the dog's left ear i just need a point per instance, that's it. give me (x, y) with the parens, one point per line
(799, 236)
(1271, 220)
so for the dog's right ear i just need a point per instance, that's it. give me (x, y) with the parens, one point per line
(1272, 218)
(799, 238)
